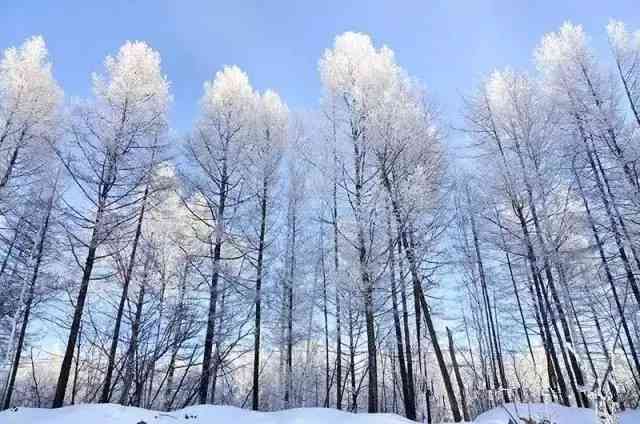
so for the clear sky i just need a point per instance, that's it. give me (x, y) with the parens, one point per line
(449, 45)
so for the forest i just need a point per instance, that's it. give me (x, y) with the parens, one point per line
(272, 258)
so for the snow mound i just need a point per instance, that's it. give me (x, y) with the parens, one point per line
(556, 414)
(201, 414)
(210, 414)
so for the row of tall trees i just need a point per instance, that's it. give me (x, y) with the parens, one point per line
(340, 258)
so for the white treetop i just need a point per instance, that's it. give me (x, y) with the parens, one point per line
(228, 101)
(133, 95)
(30, 100)
(29, 95)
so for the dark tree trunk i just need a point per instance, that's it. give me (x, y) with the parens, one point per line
(133, 343)
(542, 306)
(456, 370)
(76, 372)
(111, 359)
(367, 284)
(488, 310)
(205, 377)
(411, 391)
(336, 266)
(65, 368)
(352, 362)
(9, 170)
(627, 91)
(325, 315)
(608, 274)
(37, 256)
(417, 288)
(288, 395)
(255, 400)
(574, 369)
(406, 397)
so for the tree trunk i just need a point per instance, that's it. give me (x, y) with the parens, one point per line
(417, 287)
(456, 370)
(411, 392)
(542, 306)
(255, 400)
(409, 409)
(336, 267)
(67, 360)
(325, 315)
(372, 356)
(37, 257)
(205, 377)
(488, 310)
(133, 343)
(288, 395)
(111, 359)
(609, 275)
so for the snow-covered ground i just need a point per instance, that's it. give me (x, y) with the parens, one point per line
(204, 414)
(556, 414)
(207, 414)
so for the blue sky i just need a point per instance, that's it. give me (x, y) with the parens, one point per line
(449, 45)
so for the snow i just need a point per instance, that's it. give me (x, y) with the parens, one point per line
(210, 414)
(556, 414)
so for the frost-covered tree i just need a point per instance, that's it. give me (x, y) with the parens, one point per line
(406, 144)
(625, 46)
(354, 75)
(269, 141)
(30, 101)
(219, 148)
(112, 147)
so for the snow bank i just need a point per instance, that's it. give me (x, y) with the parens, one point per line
(202, 414)
(556, 414)
(209, 414)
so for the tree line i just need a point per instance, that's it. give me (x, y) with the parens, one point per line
(344, 257)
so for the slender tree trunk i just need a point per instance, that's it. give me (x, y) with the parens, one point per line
(133, 343)
(609, 275)
(616, 211)
(115, 338)
(76, 371)
(516, 292)
(177, 339)
(352, 361)
(367, 284)
(7, 256)
(288, 395)
(37, 258)
(627, 91)
(4, 180)
(205, 377)
(408, 407)
(574, 370)
(456, 370)
(255, 401)
(325, 314)
(542, 307)
(411, 393)
(217, 360)
(67, 360)
(336, 267)
(417, 287)
(489, 313)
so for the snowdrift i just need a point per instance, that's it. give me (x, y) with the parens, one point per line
(202, 414)
(556, 414)
(209, 414)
